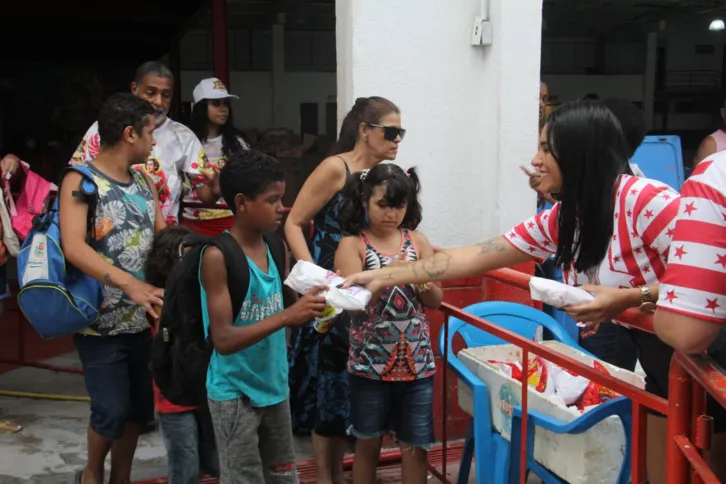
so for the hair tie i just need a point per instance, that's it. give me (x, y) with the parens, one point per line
(364, 174)
(407, 172)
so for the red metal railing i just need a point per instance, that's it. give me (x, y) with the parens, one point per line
(689, 430)
(641, 399)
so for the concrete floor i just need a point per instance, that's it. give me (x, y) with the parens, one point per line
(52, 444)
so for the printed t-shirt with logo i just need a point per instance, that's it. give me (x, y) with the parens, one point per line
(217, 160)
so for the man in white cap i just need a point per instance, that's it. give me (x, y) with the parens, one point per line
(212, 122)
(178, 163)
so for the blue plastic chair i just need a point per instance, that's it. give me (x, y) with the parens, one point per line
(490, 449)
(620, 406)
(661, 158)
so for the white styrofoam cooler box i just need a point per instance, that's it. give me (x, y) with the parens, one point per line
(592, 457)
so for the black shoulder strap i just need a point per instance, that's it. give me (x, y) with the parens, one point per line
(347, 170)
(238, 270)
(87, 192)
(278, 251)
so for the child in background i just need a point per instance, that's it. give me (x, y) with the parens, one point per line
(247, 377)
(187, 431)
(391, 360)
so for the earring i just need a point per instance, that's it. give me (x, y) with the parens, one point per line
(365, 139)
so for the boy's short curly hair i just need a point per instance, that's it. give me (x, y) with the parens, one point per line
(120, 111)
(248, 172)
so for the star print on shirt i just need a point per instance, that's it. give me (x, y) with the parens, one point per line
(680, 252)
(712, 304)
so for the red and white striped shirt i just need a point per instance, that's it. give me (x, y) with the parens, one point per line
(643, 220)
(695, 282)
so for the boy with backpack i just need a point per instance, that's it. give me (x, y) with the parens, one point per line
(115, 351)
(247, 377)
(186, 430)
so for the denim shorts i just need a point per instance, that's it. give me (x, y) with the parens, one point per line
(118, 380)
(403, 409)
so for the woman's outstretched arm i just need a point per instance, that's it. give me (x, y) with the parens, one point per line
(447, 264)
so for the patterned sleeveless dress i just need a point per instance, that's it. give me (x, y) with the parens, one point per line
(318, 377)
(392, 342)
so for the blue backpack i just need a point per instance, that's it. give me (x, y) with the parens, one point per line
(54, 296)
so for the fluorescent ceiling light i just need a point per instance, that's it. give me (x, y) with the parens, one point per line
(717, 24)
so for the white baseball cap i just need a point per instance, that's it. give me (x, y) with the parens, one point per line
(211, 88)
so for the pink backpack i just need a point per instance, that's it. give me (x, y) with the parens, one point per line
(32, 201)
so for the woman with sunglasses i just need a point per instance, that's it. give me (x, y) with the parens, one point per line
(213, 124)
(370, 134)
(610, 232)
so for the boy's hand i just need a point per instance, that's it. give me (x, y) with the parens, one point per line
(308, 307)
(145, 295)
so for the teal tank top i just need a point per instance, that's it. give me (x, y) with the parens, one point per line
(258, 372)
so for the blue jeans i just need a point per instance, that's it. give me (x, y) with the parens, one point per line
(404, 409)
(190, 447)
(614, 344)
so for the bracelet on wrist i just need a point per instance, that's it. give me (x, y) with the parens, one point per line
(422, 287)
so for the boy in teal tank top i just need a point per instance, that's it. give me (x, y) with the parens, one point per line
(247, 377)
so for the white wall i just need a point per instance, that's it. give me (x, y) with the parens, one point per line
(254, 109)
(471, 112)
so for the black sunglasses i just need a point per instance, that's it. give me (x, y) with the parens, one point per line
(390, 133)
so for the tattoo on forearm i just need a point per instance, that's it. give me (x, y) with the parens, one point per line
(107, 278)
(491, 246)
(437, 265)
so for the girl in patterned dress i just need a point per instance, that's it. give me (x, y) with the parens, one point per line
(391, 361)
(370, 134)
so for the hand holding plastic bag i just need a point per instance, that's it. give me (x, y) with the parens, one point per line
(306, 275)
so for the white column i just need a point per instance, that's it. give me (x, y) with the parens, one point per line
(471, 112)
(651, 57)
(278, 71)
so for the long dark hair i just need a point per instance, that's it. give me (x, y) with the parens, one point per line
(165, 253)
(368, 110)
(199, 123)
(589, 146)
(402, 187)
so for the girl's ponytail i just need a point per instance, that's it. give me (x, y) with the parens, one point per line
(415, 180)
(414, 212)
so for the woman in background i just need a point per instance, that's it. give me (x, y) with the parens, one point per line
(213, 124)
